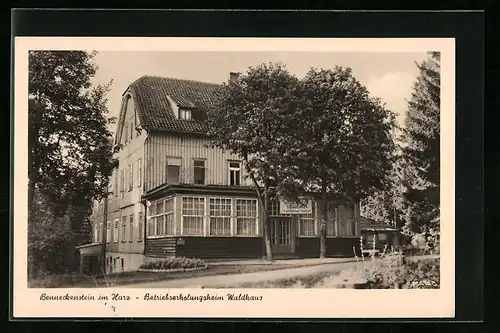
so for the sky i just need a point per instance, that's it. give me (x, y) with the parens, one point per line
(389, 76)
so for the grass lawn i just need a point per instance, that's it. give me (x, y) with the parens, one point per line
(297, 282)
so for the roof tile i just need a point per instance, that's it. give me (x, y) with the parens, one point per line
(155, 111)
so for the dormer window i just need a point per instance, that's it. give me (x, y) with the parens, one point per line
(185, 114)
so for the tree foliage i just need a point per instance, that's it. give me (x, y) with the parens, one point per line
(322, 133)
(421, 150)
(70, 156)
(252, 119)
(48, 239)
(69, 141)
(413, 192)
(348, 141)
(347, 147)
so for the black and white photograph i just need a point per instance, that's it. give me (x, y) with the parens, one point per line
(232, 169)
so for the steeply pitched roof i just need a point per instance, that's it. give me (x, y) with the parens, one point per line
(367, 224)
(152, 93)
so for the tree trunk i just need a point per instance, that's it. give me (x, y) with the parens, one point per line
(267, 227)
(324, 218)
(264, 203)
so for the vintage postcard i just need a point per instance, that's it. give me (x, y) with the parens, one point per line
(234, 177)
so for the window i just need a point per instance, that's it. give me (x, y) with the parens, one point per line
(351, 221)
(130, 177)
(332, 213)
(234, 173)
(139, 172)
(114, 262)
(185, 114)
(140, 224)
(108, 232)
(246, 216)
(382, 237)
(193, 211)
(161, 220)
(122, 181)
(95, 231)
(115, 231)
(274, 208)
(123, 263)
(220, 216)
(173, 170)
(116, 183)
(99, 234)
(131, 228)
(132, 127)
(345, 221)
(199, 172)
(124, 229)
(306, 223)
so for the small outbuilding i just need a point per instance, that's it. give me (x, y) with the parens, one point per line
(378, 233)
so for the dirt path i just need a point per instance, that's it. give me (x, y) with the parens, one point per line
(237, 279)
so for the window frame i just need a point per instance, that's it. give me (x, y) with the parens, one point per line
(140, 226)
(117, 189)
(139, 172)
(232, 217)
(204, 217)
(131, 227)
(153, 216)
(122, 180)
(230, 169)
(132, 128)
(123, 234)
(179, 166)
(257, 212)
(195, 167)
(130, 177)
(183, 114)
(125, 130)
(301, 218)
(108, 232)
(116, 231)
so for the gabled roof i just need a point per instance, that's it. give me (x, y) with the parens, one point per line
(367, 224)
(151, 95)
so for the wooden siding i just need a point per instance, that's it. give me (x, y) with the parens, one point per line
(161, 247)
(205, 247)
(159, 146)
(341, 247)
(221, 247)
(307, 247)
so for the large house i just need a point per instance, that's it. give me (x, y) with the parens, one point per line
(173, 195)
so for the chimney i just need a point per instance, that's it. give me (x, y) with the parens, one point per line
(233, 76)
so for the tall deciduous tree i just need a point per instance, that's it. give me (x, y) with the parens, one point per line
(252, 119)
(421, 150)
(69, 141)
(70, 156)
(347, 142)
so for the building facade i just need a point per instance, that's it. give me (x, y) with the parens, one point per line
(174, 195)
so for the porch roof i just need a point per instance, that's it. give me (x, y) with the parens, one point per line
(92, 248)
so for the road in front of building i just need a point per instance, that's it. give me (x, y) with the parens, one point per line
(238, 279)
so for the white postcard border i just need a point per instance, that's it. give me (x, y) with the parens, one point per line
(276, 303)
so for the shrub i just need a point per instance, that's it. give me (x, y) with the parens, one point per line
(423, 274)
(389, 272)
(48, 280)
(174, 263)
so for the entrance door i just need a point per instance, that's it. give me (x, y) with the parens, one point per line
(281, 235)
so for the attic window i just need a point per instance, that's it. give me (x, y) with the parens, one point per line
(185, 114)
